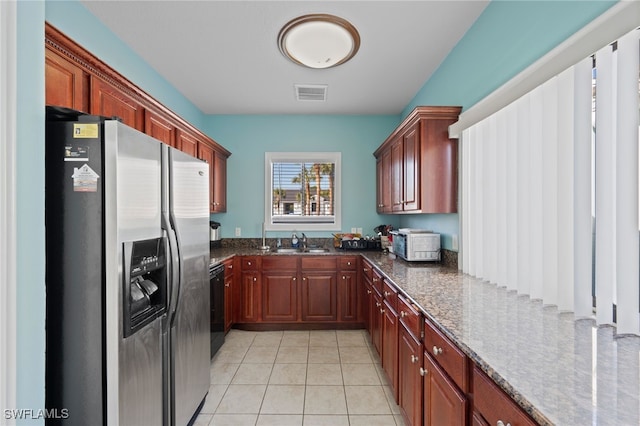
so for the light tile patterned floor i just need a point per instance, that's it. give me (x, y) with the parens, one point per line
(310, 378)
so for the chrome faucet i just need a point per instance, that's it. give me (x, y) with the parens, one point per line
(304, 242)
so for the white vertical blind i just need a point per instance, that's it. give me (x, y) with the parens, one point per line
(527, 173)
(605, 186)
(582, 220)
(550, 196)
(7, 206)
(626, 168)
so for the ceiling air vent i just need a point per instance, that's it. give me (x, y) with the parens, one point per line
(311, 92)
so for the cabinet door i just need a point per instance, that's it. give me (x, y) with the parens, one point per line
(250, 303)
(219, 183)
(229, 290)
(376, 321)
(409, 378)
(390, 346)
(411, 169)
(66, 84)
(206, 154)
(397, 173)
(348, 296)
(444, 403)
(279, 295)
(108, 101)
(383, 182)
(319, 296)
(156, 126)
(187, 143)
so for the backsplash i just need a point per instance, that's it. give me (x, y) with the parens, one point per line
(448, 258)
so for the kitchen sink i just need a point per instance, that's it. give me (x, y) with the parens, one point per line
(317, 250)
(287, 250)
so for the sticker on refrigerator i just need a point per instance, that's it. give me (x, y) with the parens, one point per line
(85, 179)
(85, 130)
(76, 153)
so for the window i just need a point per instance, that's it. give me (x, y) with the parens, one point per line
(302, 191)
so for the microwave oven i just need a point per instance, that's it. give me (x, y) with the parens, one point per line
(416, 245)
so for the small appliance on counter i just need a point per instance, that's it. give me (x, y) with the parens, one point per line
(416, 245)
(214, 234)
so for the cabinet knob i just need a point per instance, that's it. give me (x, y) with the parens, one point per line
(368, 291)
(386, 294)
(501, 423)
(344, 278)
(382, 311)
(255, 279)
(348, 263)
(423, 372)
(249, 263)
(230, 266)
(375, 280)
(226, 285)
(378, 304)
(414, 359)
(403, 314)
(436, 350)
(365, 269)
(293, 278)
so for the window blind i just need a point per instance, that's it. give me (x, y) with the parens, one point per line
(532, 189)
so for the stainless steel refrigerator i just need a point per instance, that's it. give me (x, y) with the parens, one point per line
(127, 257)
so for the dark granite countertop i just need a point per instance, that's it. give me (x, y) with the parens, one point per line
(560, 369)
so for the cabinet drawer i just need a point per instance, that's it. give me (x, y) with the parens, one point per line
(228, 267)
(390, 294)
(367, 269)
(494, 405)
(318, 263)
(271, 263)
(249, 263)
(377, 281)
(410, 317)
(452, 360)
(347, 263)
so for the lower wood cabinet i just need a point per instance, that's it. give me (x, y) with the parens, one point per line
(229, 294)
(251, 295)
(390, 345)
(444, 403)
(491, 405)
(319, 289)
(409, 378)
(279, 296)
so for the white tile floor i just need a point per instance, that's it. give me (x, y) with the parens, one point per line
(308, 378)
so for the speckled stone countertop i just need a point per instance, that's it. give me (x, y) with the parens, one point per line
(559, 369)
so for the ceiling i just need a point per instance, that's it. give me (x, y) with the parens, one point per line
(223, 55)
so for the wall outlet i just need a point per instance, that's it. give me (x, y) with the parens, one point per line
(238, 231)
(354, 230)
(359, 231)
(454, 242)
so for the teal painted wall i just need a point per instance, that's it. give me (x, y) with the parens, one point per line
(248, 137)
(506, 38)
(497, 39)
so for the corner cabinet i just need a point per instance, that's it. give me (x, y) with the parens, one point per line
(417, 164)
(74, 78)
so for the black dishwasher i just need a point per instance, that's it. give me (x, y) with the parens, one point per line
(216, 282)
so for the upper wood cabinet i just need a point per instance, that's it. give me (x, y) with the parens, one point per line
(74, 78)
(109, 101)
(417, 169)
(67, 84)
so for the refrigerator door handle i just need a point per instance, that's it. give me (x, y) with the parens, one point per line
(174, 270)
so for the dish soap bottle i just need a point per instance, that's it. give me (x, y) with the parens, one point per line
(294, 241)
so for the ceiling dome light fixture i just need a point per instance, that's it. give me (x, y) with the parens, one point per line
(319, 40)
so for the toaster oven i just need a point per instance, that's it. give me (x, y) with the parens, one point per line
(416, 244)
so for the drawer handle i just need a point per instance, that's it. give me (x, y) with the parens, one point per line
(423, 371)
(403, 314)
(437, 351)
(365, 269)
(386, 294)
(368, 291)
(375, 280)
(414, 359)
